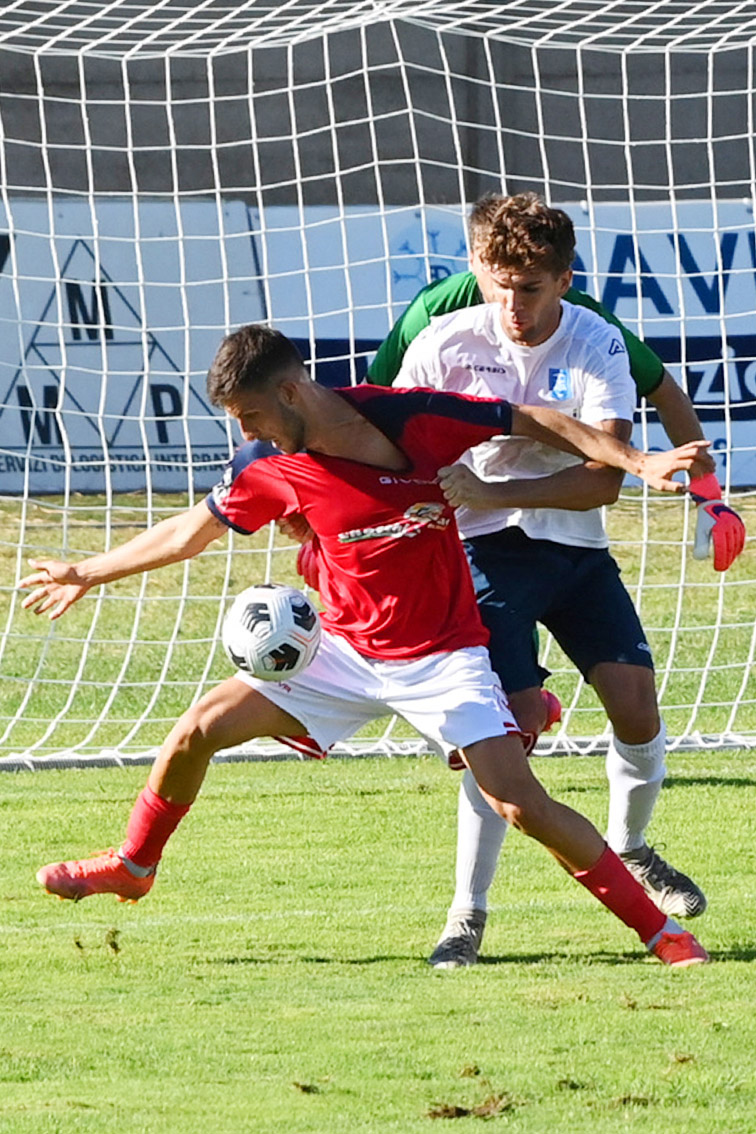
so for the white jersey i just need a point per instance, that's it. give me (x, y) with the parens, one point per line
(582, 370)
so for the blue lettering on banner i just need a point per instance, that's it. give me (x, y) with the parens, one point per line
(4, 249)
(710, 294)
(717, 376)
(643, 281)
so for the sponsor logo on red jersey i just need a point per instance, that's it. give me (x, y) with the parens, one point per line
(430, 514)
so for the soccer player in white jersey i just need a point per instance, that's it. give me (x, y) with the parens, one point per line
(532, 530)
(362, 465)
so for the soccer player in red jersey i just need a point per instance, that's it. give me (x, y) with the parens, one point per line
(361, 466)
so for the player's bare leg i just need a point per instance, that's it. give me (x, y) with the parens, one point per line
(505, 777)
(480, 835)
(635, 768)
(503, 773)
(227, 715)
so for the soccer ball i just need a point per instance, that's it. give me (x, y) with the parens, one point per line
(271, 631)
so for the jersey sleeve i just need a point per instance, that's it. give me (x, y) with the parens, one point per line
(439, 423)
(251, 493)
(646, 368)
(439, 298)
(609, 392)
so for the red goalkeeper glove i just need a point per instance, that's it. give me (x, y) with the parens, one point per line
(717, 525)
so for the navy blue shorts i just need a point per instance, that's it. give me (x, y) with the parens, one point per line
(575, 592)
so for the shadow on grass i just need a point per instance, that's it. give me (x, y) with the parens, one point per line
(599, 957)
(298, 959)
(554, 957)
(736, 953)
(674, 781)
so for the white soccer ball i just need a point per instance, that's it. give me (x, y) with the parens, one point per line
(271, 631)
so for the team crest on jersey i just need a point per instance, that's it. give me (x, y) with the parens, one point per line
(560, 384)
(430, 515)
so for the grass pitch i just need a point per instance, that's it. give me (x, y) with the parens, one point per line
(275, 978)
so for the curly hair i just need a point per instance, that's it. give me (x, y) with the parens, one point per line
(521, 233)
(248, 359)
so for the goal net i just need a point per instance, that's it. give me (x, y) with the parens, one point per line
(173, 169)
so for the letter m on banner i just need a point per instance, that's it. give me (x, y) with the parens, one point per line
(44, 416)
(95, 318)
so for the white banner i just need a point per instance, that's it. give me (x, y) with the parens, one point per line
(111, 314)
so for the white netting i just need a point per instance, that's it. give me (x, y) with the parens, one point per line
(170, 170)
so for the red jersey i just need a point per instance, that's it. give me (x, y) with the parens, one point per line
(394, 580)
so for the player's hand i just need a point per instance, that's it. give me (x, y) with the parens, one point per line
(295, 527)
(463, 489)
(56, 587)
(717, 527)
(657, 469)
(308, 565)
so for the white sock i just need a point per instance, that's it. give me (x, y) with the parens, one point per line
(137, 871)
(669, 926)
(480, 833)
(635, 773)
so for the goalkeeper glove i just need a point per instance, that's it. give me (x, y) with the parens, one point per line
(717, 525)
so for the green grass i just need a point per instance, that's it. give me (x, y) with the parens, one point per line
(275, 978)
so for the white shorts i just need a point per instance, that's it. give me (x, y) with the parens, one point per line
(452, 699)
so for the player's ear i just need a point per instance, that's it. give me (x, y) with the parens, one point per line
(288, 391)
(565, 282)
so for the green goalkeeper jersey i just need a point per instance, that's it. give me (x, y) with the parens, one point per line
(461, 290)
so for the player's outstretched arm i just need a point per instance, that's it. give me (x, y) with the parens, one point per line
(563, 432)
(55, 585)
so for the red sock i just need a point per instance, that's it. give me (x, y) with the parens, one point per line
(151, 823)
(610, 882)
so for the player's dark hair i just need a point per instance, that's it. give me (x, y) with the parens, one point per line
(521, 233)
(248, 359)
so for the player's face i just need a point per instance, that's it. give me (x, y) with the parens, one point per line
(268, 416)
(530, 301)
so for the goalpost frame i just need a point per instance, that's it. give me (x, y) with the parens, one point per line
(171, 170)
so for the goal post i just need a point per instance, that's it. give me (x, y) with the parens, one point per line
(171, 170)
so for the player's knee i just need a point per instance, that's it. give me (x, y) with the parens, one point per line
(638, 723)
(527, 809)
(195, 734)
(531, 818)
(628, 693)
